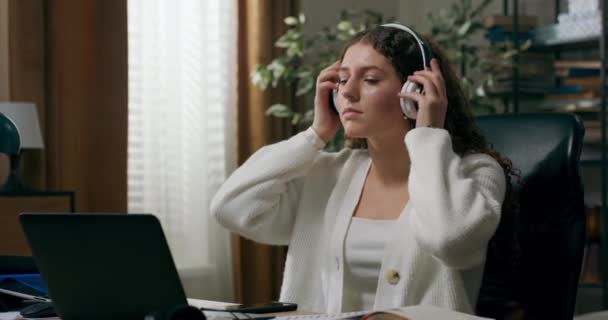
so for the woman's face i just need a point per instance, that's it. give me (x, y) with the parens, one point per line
(367, 96)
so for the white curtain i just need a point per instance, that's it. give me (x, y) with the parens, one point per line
(182, 102)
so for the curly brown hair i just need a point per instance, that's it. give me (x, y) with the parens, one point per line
(404, 54)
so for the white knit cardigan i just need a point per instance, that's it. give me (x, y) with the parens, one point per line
(293, 193)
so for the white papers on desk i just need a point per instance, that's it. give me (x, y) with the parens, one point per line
(14, 315)
(208, 304)
(339, 316)
(9, 315)
(418, 312)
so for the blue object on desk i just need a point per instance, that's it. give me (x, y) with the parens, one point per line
(24, 283)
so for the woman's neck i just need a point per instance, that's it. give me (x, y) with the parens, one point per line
(390, 159)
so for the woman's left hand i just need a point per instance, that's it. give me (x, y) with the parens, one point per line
(433, 101)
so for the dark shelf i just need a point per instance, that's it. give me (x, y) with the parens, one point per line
(509, 94)
(569, 44)
(591, 155)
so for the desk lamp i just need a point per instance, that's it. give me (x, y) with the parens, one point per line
(10, 144)
(25, 117)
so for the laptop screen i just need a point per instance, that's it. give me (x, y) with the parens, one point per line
(104, 266)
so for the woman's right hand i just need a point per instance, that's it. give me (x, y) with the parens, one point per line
(326, 123)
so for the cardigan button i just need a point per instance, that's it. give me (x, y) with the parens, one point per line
(392, 276)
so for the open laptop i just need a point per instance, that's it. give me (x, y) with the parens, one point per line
(104, 266)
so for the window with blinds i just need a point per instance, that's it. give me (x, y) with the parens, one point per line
(182, 97)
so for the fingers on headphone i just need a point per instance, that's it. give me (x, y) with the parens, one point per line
(430, 87)
(435, 65)
(327, 86)
(436, 78)
(328, 75)
(436, 69)
(331, 68)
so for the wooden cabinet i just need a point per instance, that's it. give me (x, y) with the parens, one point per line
(12, 239)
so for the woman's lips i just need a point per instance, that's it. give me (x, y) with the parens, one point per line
(350, 113)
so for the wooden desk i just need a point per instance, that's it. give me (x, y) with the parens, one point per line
(12, 239)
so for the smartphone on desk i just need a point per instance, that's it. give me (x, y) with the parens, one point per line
(264, 307)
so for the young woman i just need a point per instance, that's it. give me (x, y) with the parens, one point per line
(404, 219)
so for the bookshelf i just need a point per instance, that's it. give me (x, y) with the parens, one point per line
(558, 45)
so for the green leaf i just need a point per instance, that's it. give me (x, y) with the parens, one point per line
(304, 85)
(464, 28)
(304, 73)
(296, 49)
(465, 84)
(491, 81)
(278, 69)
(261, 76)
(344, 25)
(279, 110)
(287, 39)
(509, 54)
(296, 118)
(343, 36)
(309, 116)
(291, 21)
(282, 43)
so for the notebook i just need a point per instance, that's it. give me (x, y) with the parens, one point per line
(418, 312)
(104, 266)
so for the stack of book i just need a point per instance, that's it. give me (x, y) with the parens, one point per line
(535, 69)
(500, 28)
(579, 92)
(536, 75)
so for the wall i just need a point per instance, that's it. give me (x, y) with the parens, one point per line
(69, 57)
(4, 57)
(320, 13)
(412, 13)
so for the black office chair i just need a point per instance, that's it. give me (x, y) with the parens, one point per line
(546, 149)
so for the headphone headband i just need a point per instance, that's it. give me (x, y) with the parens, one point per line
(425, 48)
(409, 107)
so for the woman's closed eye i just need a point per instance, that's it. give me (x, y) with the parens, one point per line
(367, 80)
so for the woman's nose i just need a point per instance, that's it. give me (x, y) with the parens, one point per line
(349, 91)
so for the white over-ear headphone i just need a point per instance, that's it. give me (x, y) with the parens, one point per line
(409, 107)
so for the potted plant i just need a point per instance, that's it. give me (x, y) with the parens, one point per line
(305, 56)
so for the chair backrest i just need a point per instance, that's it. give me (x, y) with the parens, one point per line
(551, 228)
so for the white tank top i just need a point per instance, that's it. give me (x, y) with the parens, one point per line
(363, 251)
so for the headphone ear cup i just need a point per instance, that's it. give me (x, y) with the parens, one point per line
(408, 106)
